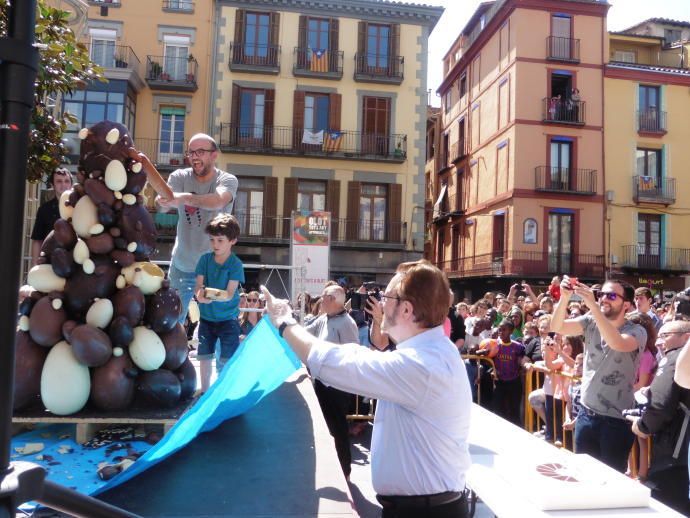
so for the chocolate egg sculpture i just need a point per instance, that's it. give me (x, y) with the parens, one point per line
(102, 314)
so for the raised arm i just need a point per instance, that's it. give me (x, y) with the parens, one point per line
(559, 324)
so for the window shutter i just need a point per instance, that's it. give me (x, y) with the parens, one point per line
(270, 206)
(234, 114)
(274, 22)
(302, 33)
(361, 44)
(238, 44)
(334, 107)
(333, 206)
(297, 119)
(395, 43)
(269, 103)
(395, 213)
(333, 44)
(354, 190)
(289, 203)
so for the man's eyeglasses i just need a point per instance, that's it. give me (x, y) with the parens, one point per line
(394, 297)
(198, 152)
(609, 295)
(666, 335)
(252, 300)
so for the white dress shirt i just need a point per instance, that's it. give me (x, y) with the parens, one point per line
(419, 444)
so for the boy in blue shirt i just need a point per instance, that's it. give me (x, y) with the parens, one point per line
(222, 270)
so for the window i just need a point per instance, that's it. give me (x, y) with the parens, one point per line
(649, 97)
(648, 162)
(103, 47)
(311, 195)
(672, 36)
(561, 163)
(172, 142)
(648, 240)
(372, 212)
(376, 120)
(463, 85)
(251, 117)
(175, 62)
(378, 45)
(625, 56)
(256, 36)
(447, 101)
(650, 116)
(317, 33)
(316, 110)
(560, 245)
(561, 33)
(249, 206)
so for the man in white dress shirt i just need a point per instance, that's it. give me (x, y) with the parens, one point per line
(419, 449)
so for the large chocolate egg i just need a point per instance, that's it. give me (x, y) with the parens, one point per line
(81, 289)
(65, 383)
(121, 332)
(101, 244)
(135, 182)
(64, 205)
(28, 364)
(137, 226)
(108, 138)
(148, 277)
(84, 217)
(91, 346)
(63, 263)
(130, 302)
(147, 349)
(163, 309)
(106, 215)
(159, 388)
(187, 376)
(99, 192)
(122, 257)
(100, 313)
(176, 349)
(42, 278)
(64, 234)
(49, 244)
(113, 384)
(45, 322)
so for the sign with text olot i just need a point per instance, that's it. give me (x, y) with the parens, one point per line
(310, 247)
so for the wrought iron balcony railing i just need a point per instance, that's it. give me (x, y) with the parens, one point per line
(654, 257)
(458, 150)
(651, 120)
(651, 189)
(379, 68)
(170, 73)
(565, 111)
(251, 57)
(565, 180)
(563, 49)
(516, 262)
(178, 6)
(108, 55)
(318, 63)
(164, 154)
(288, 140)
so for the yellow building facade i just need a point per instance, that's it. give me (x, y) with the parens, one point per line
(646, 86)
(519, 184)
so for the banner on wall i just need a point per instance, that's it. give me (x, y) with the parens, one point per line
(310, 247)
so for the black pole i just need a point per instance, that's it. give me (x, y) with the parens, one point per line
(17, 74)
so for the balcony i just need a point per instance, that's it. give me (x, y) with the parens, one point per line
(458, 151)
(379, 68)
(260, 59)
(650, 189)
(118, 62)
(175, 74)
(528, 264)
(166, 156)
(322, 64)
(290, 141)
(652, 121)
(562, 49)
(565, 180)
(563, 111)
(653, 257)
(178, 6)
(105, 3)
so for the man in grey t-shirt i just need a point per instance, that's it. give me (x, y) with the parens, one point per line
(200, 193)
(613, 347)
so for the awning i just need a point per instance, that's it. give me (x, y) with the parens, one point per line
(439, 201)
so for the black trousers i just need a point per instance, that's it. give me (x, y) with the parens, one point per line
(507, 398)
(456, 509)
(334, 404)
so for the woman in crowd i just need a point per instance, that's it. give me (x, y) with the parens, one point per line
(249, 319)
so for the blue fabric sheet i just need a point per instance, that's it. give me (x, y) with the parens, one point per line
(261, 364)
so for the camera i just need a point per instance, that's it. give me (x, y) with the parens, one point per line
(633, 412)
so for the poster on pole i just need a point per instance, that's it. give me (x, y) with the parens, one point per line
(310, 247)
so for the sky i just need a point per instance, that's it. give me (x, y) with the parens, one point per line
(622, 14)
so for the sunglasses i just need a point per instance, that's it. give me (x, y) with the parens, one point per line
(252, 300)
(609, 295)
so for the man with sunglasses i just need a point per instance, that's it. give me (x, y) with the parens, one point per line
(201, 192)
(613, 347)
(419, 446)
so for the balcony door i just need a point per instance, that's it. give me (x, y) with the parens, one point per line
(499, 239)
(561, 32)
(251, 127)
(372, 212)
(561, 152)
(649, 241)
(560, 245)
(175, 62)
(171, 142)
(650, 117)
(378, 48)
(249, 206)
(376, 125)
(256, 38)
(648, 163)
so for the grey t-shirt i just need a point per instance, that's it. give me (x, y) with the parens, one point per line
(338, 329)
(192, 241)
(608, 376)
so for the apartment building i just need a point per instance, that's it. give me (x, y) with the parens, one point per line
(518, 186)
(322, 106)
(646, 86)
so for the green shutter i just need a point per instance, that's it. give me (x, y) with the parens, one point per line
(172, 111)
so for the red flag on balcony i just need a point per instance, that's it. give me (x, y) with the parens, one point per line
(647, 183)
(331, 141)
(319, 60)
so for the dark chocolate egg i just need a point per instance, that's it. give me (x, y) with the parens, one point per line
(113, 384)
(122, 257)
(49, 244)
(63, 263)
(100, 244)
(90, 345)
(26, 306)
(135, 182)
(129, 302)
(81, 289)
(137, 226)
(187, 376)
(99, 192)
(107, 138)
(28, 364)
(67, 329)
(176, 349)
(93, 161)
(121, 332)
(45, 322)
(106, 215)
(163, 309)
(159, 388)
(64, 233)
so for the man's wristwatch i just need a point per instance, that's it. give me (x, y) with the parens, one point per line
(289, 321)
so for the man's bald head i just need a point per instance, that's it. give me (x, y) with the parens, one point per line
(674, 334)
